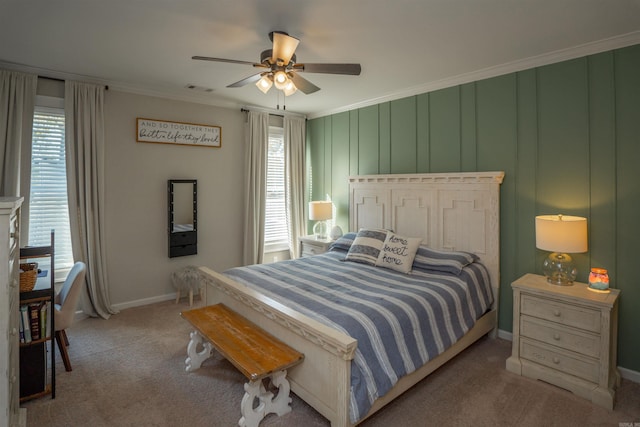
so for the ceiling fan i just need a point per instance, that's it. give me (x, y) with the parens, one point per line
(281, 69)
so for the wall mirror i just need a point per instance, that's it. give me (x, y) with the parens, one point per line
(182, 196)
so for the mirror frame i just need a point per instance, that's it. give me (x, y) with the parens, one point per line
(182, 242)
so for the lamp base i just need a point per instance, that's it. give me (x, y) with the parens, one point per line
(559, 269)
(320, 230)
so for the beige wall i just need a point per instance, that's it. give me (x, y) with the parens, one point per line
(138, 266)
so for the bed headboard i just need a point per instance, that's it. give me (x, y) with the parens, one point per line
(450, 211)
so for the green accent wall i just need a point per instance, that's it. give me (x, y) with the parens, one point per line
(566, 135)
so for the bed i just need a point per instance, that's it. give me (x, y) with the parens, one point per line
(452, 212)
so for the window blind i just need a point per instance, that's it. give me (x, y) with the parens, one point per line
(48, 208)
(276, 230)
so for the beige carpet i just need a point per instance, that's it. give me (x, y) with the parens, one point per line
(129, 371)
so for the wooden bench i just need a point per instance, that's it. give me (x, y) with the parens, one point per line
(254, 352)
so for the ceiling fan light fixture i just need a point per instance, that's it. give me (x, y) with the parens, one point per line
(284, 46)
(289, 88)
(279, 67)
(280, 79)
(265, 83)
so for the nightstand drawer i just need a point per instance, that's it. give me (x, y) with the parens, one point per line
(572, 315)
(309, 250)
(310, 246)
(563, 361)
(567, 338)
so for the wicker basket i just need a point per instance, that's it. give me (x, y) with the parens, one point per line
(28, 276)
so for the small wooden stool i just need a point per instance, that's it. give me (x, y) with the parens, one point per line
(187, 279)
(251, 350)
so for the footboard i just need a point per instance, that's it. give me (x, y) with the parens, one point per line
(323, 379)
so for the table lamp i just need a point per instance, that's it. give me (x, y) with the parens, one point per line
(320, 211)
(561, 234)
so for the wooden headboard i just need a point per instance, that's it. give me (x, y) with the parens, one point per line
(450, 211)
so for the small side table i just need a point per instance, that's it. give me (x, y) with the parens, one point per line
(566, 336)
(309, 245)
(187, 279)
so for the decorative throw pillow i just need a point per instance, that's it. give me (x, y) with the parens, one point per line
(343, 243)
(397, 252)
(447, 261)
(366, 246)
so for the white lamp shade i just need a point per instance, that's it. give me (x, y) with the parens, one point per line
(280, 79)
(561, 233)
(289, 89)
(320, 211)
(265, 83)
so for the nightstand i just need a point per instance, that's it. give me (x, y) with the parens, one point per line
(566, 336)
(309, 245)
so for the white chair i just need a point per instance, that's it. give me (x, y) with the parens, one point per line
(65, 308)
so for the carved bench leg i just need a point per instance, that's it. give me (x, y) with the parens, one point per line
(195, 357)
(279, 405)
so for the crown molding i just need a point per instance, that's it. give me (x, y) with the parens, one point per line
(171, 95)
(604, 45)
(123, 87)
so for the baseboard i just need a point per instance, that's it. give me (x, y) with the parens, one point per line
(627, 374)
(22, 417)
(79, 315)
(505, 335)
(144, 301)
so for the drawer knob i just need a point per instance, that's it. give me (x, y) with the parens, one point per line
(556, 360)
(556, 337)
(13, 379)
(556, 313)
(14, 331)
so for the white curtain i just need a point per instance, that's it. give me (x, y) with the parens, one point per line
(17, 102)
(294, 143)
(257, 134)
(85, 151)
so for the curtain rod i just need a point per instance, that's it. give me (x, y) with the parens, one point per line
(106, 87)
(246, 109)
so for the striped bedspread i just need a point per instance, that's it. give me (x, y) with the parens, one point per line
(401, 321)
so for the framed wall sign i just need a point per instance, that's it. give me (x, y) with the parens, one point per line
(165, 132)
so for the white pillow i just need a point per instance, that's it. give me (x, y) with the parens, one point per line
(398, 252)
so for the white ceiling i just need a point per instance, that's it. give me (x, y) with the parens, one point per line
(405, 46)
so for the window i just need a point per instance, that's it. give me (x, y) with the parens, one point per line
(276, 233)
(48, 208)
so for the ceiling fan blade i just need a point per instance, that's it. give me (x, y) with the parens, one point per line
(303, 84)
(229, 61)
(251, 79)
(350, 69)
(284, 46)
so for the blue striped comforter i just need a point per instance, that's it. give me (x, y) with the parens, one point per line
(401, 321)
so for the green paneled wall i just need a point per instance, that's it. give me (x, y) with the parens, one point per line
(340, 151)
(567, 136)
